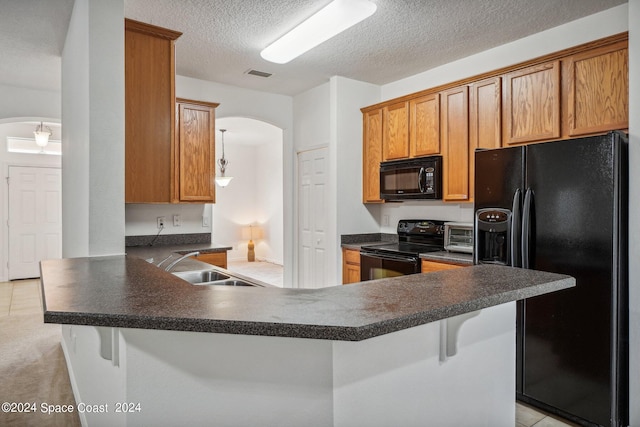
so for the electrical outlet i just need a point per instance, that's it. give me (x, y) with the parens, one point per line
(176, 220)
(160, 222)
(385, 220)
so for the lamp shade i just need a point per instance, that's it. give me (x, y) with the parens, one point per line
(252, 232)
(223, 181)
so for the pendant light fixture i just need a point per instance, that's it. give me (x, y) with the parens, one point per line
(223, 180)
(328, 22)
(42, 134)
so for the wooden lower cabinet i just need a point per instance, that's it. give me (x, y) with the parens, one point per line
(429, 266)
(218, 259)
(350, 266)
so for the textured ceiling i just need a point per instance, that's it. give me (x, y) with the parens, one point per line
(32, 34)
(222, 39)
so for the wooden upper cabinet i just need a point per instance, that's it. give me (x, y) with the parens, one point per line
(455, 144)
(194, 167)
(395, 139)
(149, 112)
(532, 103)
(371, 155)
(424, 130)
(598, 90)
(485, 120)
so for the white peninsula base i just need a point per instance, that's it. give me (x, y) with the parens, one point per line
(403, 378)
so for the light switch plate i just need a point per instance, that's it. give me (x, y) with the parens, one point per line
(176, 220)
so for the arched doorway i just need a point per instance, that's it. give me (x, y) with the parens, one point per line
(254, 151)
(31, 197)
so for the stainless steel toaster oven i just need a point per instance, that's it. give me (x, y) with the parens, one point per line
(458, 237)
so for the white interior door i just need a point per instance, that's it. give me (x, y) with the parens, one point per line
(312, 212)
(35, 223)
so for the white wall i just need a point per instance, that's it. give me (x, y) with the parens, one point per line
(345, 154)
(93, 130)
(311, 115)
(269, 197)
(634, 211)
(329, 116)
(18, 102)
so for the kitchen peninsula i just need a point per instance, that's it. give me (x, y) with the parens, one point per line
(411, 350)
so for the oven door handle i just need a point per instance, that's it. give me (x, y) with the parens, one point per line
(390, 257)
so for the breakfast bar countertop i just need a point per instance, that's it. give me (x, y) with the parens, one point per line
(128, 292)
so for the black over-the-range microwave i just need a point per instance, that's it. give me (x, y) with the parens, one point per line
(419, 178)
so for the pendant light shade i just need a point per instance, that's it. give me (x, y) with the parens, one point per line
(221, 179)
(42, 134)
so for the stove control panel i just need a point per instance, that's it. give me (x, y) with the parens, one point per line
(420, 227)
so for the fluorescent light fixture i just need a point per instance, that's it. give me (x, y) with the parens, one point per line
(333, 19)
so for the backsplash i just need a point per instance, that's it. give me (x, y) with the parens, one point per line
(141, 219)
(168, 239)
(349, 239)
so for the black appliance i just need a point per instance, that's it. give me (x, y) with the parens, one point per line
(419, 178)
(415, 236)
(562, 207)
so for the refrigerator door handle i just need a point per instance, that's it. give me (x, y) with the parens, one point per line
(516, 228)
(526, 228)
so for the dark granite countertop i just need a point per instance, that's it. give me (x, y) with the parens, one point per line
(128, 292)
(445, 256)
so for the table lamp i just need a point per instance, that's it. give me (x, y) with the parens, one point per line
(251, 232)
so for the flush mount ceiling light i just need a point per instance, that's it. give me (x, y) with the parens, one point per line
(223, 180)
(42, 134)
(333, 19)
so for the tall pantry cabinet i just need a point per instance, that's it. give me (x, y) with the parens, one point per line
(149, 112)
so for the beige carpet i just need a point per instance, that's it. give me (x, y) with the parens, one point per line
(33, 370)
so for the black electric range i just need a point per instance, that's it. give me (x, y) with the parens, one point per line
(415, 236)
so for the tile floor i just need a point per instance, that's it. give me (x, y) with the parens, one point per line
(24, 297)
(20, 297)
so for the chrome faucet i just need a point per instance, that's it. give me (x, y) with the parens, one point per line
(170, 266)
(163, 261)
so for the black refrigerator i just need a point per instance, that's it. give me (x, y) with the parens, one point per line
(562, 207)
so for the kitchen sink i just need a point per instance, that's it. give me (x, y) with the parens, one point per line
(201, 276)
(211, 278)
(232, 282)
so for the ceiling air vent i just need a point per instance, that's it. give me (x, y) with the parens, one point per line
(258, 73)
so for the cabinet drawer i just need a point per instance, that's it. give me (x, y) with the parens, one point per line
(218, 259)
(352, 257)
(429, 266)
